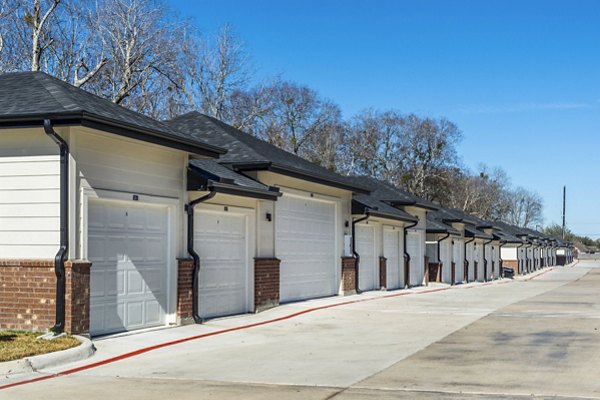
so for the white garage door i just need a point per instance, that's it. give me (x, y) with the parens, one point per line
(459, 260)
(305, 244)
(128, 248)
(471, 262)
(391, 251)
(446, 258)
(220, 238)
(414, 249)
(368, 269)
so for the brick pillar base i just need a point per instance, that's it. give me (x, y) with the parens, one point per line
(77, 297)
(266, 283)
(185, 311)
(435, 274)
(348, 275)
(406, 271)
(28, 299)
(382, 272)
(426, 264)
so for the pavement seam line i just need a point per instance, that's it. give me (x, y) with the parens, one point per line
(470, 393)
(232, 329)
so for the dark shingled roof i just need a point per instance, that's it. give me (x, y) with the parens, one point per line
(436, 226)
(471, 231)
(27, 98)
(363, 204)
(246, 152)
(215, 171)
(391, 195)
(222, 179)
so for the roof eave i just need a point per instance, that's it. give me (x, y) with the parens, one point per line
(242, 191)
(109, 125)
(294, 173)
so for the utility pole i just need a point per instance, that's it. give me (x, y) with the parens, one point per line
(564, 202)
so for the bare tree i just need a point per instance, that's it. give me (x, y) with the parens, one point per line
(76, 55)
(4, 12)
(525, 208)
(428, 146)
(41, 37)
(484, 194)
(217, 70)
(55, 36)
(143, 47)
(371, 145)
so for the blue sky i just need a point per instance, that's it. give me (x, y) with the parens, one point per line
(520, 78)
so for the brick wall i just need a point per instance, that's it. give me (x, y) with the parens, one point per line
(511, 264)
(77, 297)
(348, 275)
(435, 272)
(382, 272)
(185, 269)
(266, 283)
(29, 293)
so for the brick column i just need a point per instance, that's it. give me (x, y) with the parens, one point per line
(77, 297)
(266, 283)
(434, 272)
(185, 270)
(348, 275)
(406, 271)
(382, 272)
(426, 264)
(28, 299)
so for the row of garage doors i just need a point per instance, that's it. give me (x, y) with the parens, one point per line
(129, 247)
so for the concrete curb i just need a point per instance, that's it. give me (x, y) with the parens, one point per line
(43, 361)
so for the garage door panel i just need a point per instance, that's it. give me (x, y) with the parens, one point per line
(128, 278)
(365, 246)
(391, 251)
(135, 283)
(305, 244)
(222, 243)
(414, 249)
(135, 313)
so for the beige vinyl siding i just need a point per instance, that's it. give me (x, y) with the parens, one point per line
(108, 162)
(29, 205)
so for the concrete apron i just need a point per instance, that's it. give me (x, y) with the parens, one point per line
(333, 347)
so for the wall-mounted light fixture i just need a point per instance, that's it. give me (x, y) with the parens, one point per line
(269, 217)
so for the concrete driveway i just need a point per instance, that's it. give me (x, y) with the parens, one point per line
(501, 340)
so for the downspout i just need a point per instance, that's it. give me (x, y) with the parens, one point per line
(189, 209)
(354, 252)
(407, 256)
(438, 253)
(485, 263)
(61, 255)
(466, 260)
